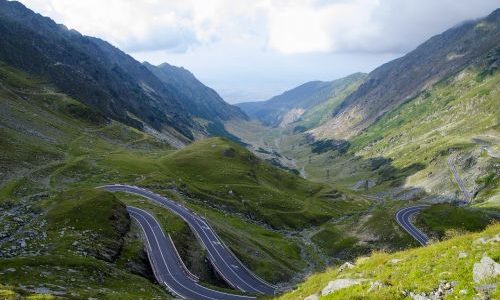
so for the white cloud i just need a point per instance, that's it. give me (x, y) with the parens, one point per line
(255, 47)
(285, 26)
(305, 26)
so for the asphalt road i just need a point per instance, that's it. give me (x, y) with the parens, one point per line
(168, 268)
(461, 184)
(403, 217)
(234, 272)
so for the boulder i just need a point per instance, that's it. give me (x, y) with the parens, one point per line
(345, 266)
(339, 284)
(376, 285)
(312, 297)
(485, 288)
(419, 297)
(486, 268)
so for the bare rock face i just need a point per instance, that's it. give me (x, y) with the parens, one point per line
(291, 116)
(395, 261)
(486, 268)
(339, 284)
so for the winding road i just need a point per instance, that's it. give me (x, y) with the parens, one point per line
(168, 267)
(459, 181)
(171, 272)
(403, 217)
(234, 272)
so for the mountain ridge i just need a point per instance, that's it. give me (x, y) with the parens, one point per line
(100, 75)
(399, 80)
(201, 100)
(307, 95)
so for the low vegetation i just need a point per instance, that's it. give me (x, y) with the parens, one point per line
(440, 219)
(52, 213)
(417, 271)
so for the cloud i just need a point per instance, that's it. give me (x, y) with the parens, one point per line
(364, 26)
(254, 49)
(284, 26)
(131, 25)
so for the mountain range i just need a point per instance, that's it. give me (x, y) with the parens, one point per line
(105, 78)
(389, 85)
(311, 181)
(409, 113)
(288, 107)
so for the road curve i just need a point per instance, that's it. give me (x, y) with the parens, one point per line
(458, 179)
(403, 217)
(234, 272)
(168, 268)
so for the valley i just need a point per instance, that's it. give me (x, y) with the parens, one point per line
(126, 180)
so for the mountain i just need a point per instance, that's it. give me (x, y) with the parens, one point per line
(77, 113)
(429, 114)
(402, 79)
(105, 78)
(199, 99)
(288, 107)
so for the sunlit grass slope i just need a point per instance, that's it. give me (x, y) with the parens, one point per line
(416, 270)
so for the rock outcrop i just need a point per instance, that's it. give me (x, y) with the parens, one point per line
(485, 269)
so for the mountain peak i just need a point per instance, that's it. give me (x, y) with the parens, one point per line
(203, 101)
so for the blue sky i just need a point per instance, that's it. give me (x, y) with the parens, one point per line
(254, 49)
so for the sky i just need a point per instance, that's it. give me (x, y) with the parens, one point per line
(251, 50)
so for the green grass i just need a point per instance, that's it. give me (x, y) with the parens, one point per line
(274, 257)
(230, 177)
(418, 270)
(77, 277)
(441, 218)
(320, 113)
(95, 219)
(333, 242)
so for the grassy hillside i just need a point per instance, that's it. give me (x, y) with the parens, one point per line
(404, 157)
(439, 219)
(232, 178)
(78, 233)
(320, 113)
(55, 151)
(410, 146)
(445, 120)
(420, 270)
(399, 80)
